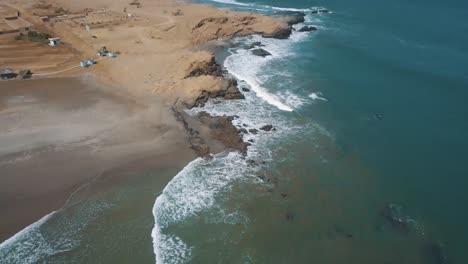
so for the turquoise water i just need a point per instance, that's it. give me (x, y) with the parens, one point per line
(370, 119)
(393, 77)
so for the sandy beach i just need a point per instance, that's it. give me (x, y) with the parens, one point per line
(69, 124)
(58, 134)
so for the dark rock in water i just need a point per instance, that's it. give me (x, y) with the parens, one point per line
(299, 17)
(251, 162)
(245, 89)
(253, 131)
(284, 195)
(307, 29)
(320, 11)
(292, 17)
(256, 44)
(261, 52)
(243, 130)
(392, 213)
(282, 33)
(437, 253)
(266, 128)
(289, 216)
(251, 140)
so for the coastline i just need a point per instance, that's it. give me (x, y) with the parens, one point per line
(181, 72)
(64, 139)
(101, 153)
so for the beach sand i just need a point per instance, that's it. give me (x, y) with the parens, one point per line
(58, 134)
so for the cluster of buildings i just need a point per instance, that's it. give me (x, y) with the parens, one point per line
(12, 22)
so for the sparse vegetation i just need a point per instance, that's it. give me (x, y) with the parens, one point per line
(135, 3)
(33, 36)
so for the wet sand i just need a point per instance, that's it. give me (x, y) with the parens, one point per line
(58, 134)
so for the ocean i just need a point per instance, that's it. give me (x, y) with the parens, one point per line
(365, 162)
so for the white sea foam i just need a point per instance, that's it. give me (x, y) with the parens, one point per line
(46, 238)
(246, 67)
(191, 191)
(8, 254)
(248, 75)
(268, 7)
(232, 2)
(317, 96)
(202, 184)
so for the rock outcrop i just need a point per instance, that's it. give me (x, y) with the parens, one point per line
(307, 29)
(255, 45)
(224, 131)
(266, 128)
(288, 18)
(292, 17)
(279, 33)
(199, 68)
(228, 91)
(197, 143)
(261, 52)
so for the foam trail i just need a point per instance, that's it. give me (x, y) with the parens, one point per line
(23, 232)
(244, 66)
(267, 7)
(291, 9)
(317, 96)
(262, 92)
(11, 252)
(232, 2)
(190, 192)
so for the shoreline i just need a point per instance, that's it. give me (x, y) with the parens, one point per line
(199, 80)
(69, 133)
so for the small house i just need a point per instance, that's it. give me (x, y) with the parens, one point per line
(6, 74)
(54, 42)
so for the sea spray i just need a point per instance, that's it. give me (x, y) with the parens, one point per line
(203, 185)
(192, 190)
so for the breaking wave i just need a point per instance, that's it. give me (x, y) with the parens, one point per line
(203, 184)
